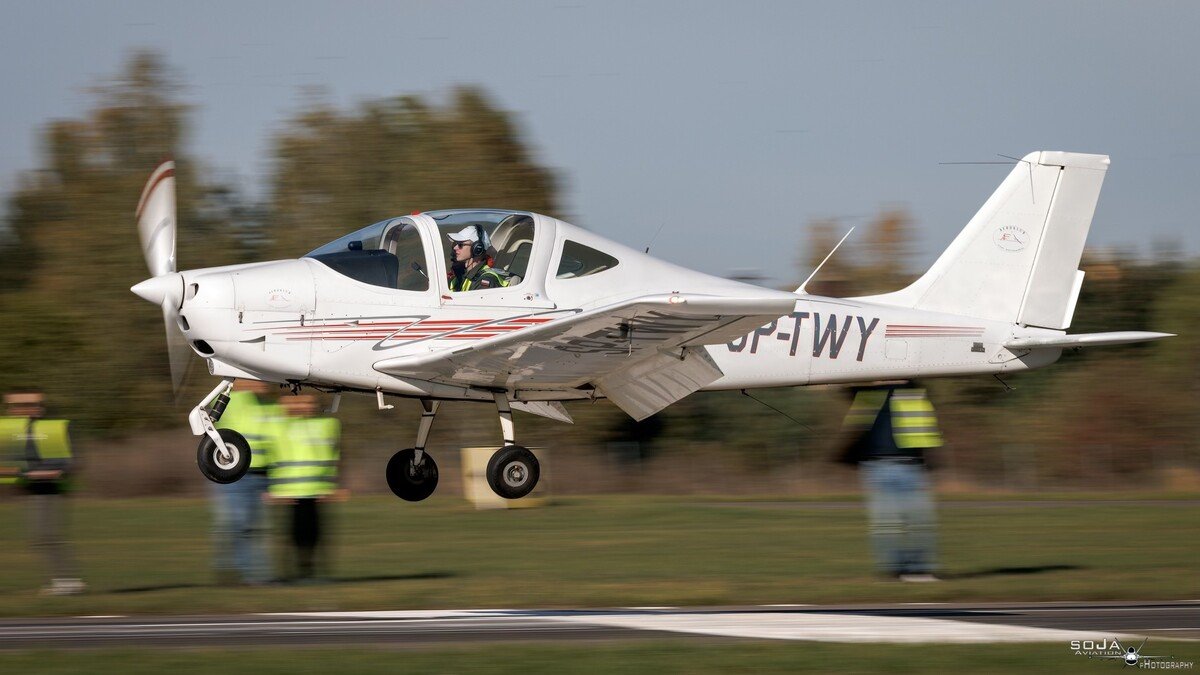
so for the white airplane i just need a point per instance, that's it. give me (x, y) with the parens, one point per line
(583, 317)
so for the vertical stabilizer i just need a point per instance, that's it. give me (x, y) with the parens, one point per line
(1017, 259)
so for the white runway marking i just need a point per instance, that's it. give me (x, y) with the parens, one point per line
(815, 626)
(835, 628)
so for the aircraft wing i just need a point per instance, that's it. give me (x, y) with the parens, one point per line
(644, 353)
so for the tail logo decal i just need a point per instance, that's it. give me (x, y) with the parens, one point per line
(1010, 238)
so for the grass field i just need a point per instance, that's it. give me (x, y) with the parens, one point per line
(153, 556)
(683, 655)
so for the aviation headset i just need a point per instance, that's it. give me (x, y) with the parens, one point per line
(479, 246)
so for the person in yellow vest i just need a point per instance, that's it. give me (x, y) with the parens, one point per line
(303, 474)
(40, 462)
(889, 430)
(240, 529)
(12, 449)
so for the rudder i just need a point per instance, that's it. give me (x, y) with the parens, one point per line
(1017, 259)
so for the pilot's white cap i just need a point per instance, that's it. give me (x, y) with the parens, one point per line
(469, 233)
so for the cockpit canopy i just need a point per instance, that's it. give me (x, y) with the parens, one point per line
(393, 254)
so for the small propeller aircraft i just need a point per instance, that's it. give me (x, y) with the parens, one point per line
(574, 316)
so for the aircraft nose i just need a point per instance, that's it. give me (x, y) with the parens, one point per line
(159, 289)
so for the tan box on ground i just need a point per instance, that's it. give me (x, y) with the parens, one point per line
(479, 493)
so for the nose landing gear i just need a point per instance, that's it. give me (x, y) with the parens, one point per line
(225, 463)
(223, 454)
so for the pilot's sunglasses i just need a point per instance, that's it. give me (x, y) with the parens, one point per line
(460, 244)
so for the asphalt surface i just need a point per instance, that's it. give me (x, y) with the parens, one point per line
(932, 622)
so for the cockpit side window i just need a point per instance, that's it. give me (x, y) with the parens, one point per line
(578, 260)
(389, 254)
(510, 237)
(513, 241)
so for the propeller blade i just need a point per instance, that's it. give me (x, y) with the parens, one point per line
(156, 220)
(178, 352)
(156, 229)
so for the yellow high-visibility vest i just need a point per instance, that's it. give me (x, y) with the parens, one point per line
(305, 463)
(256, 421)
(914, 424)
(470, 280)
(12, 446)
(50, 441)
(864, 409)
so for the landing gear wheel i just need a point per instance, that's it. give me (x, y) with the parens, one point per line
(224, 465)
(513, 472)
(409, 481)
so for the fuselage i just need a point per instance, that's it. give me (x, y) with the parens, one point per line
(299, 321)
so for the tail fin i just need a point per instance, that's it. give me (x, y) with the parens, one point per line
(1016, 260)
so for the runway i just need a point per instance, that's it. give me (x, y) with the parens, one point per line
(903, 623)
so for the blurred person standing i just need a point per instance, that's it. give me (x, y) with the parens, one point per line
(303, 473)
(888, 431)
(39, 461)
(12, 450)
(240, 529)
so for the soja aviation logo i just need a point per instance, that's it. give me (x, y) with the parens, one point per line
(1131, 656)
(1010, 238)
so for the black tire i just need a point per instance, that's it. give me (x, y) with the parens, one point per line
(513, 472)
(408, 482)
(228, 468)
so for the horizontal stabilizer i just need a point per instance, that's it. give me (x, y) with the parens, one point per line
(1085, 339)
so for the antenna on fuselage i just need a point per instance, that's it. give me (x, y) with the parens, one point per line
(818, 269)
(655, 237)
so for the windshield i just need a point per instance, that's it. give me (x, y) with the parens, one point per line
(368, 236)
(389, 254)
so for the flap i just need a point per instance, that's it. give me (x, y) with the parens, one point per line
(654, 383)
(549, 409)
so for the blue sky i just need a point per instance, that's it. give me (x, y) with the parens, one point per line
(730, 125)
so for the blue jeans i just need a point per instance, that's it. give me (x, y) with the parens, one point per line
(240, 528)
(903, 527)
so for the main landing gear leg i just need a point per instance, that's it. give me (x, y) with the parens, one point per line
(412, 474)
(223, 455)
(513, 471)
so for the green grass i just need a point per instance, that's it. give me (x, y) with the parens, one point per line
(152, 556)
(522, 658)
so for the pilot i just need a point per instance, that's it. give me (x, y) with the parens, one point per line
(469, 270)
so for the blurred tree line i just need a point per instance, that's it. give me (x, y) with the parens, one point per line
(69, 252)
